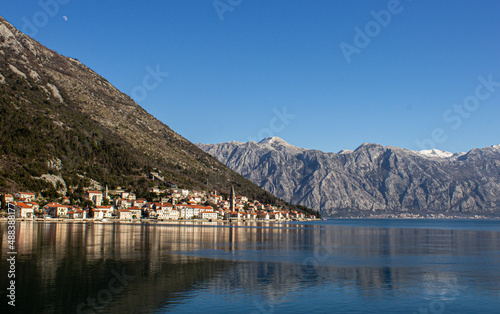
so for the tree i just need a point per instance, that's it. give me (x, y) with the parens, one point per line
(91, 212)
(4, 204)
(50, 193)
(150, 196)
(88, 203)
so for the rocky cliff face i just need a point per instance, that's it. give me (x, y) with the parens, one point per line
(371, 178)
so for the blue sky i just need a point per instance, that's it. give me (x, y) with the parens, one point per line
(277, 67)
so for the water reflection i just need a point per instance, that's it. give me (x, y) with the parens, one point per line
(131, 268)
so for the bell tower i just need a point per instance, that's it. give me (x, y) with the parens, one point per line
(232, 199)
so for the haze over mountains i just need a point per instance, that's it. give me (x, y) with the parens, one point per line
(64, 126)
(370, 178)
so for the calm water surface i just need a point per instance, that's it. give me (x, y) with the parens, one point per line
(335, 266)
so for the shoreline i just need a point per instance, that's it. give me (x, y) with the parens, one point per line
(153, 221)
(239, 222)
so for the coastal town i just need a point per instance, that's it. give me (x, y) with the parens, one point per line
(171, 203)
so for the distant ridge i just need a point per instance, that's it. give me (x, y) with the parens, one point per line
(372, 178)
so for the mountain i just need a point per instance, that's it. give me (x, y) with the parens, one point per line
(64, 127)
(372, 178)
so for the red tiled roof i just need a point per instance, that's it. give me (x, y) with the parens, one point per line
(55, 205)
(22, 205)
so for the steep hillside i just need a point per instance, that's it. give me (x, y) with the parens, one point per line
(64, 126)
(370, 179)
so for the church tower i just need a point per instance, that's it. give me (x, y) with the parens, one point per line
(106, 194)
(232, 199)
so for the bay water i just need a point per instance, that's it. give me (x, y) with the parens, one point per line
(334, 266)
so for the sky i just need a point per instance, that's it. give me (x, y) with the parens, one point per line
(327, 75)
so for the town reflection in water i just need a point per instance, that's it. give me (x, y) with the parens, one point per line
(136, 267)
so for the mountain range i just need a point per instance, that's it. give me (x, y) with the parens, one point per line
(372, 178)
(64, 128)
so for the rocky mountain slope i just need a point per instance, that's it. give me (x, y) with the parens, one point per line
(371, 178)
(64, 126)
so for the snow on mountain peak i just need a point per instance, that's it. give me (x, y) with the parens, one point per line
(345, 151)
(279, 144)
(436, 153)
(273, 140)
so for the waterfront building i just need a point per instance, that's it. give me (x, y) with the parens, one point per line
(209, 215)
(27, 196)
(21, 210)
(124, 214)
(56, 210)
(94, 196)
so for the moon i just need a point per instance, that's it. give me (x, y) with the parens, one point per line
(65, 18)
